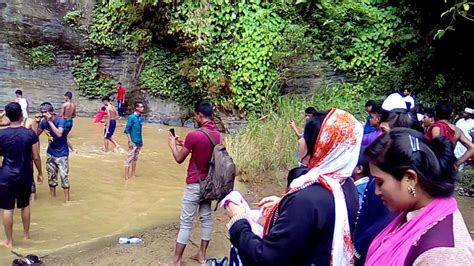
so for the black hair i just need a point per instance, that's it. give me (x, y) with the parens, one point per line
(310, 110)
(377, 110)
(429, 112)
(68, 94)
(46, 107)
(19, 92)
(419, 108)
(13, 111)
(400, 118)
(295, 173)
(106, 98)
(120, 83)
(311, 131)
(403, 149)
(370, 103)
(364, 162)
(103, 108)
(443, 110)
(137, 103)
(204, 107)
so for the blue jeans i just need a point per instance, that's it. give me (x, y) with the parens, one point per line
(120, 107)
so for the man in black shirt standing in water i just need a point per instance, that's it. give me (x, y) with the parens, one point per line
(18, 145)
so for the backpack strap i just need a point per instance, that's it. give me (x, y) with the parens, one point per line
(211, 138)
(213, 141)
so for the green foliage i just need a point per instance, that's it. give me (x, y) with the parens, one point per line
(237, 50)
(466, 179)
(161, 77)
(356, 35)
(72, 17)
(91, 82)
(460, 9)
(268, 145)
(40, 56)
(117, 26)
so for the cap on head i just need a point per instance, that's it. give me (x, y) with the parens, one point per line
(46, 107)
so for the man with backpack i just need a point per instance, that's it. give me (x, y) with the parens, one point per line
(198, 143)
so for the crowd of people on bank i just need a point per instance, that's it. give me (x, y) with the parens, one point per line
(378, 194)
(375, 194)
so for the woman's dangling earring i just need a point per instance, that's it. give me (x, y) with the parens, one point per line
(412, 191)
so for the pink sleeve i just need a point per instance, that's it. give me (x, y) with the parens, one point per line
(190, 140)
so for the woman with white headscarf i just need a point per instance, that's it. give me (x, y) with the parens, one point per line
(311, 223)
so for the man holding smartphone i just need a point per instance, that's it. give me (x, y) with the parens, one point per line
(198, 144)
(133, 129)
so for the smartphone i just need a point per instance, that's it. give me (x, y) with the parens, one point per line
(172, 132)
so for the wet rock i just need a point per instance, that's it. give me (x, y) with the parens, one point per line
(306, 78)
(161, 111)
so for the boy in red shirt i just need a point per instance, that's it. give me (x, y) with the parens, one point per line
(120, 98)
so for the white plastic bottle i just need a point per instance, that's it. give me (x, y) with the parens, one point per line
(130, 240)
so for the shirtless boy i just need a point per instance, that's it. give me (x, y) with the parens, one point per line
(68, 113)
(109, 125)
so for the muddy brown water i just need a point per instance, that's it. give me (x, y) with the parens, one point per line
(103, 203)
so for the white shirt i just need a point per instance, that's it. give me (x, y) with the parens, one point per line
(410, 100)
(467, 127)
(24, 106)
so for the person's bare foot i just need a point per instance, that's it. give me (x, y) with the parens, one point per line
(199, 258)
(6, 244)
(26, 237)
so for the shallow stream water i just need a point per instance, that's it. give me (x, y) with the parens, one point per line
(102, 203)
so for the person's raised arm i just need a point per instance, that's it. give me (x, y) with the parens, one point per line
(59, 130)
(178, 155)
(294, 129)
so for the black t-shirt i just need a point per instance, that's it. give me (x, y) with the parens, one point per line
(15, 147)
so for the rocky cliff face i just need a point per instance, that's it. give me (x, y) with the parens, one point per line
(29, 23)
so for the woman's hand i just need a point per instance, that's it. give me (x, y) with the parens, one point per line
(266, 204)
(233, 209)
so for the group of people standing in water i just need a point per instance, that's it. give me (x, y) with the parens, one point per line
(20, 149)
